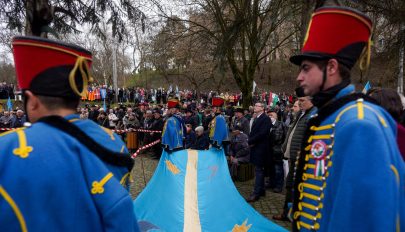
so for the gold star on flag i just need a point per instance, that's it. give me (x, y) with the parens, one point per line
(242, 228)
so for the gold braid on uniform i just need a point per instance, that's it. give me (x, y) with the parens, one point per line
(301, 165)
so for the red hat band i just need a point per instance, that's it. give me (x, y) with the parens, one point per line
(217, 101)
(51, 68)
(337, 32)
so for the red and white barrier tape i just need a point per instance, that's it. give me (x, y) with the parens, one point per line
(144, 147)
(116, 131)
(136, 130)
(7, 129)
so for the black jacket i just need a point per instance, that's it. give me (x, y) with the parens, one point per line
(202, 142)
(259, 140)
(299, 132)
(277, 135)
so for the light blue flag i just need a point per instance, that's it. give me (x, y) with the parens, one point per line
(191, 190)
(103, 93)
(367, 87)
(9, 104)
(104, 106)
(170, 89)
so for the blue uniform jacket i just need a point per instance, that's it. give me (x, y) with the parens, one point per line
(352, 173)
(173, 133)
(218, 130)
(51, 182)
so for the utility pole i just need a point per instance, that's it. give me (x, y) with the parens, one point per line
(401, 58)
(115, 47)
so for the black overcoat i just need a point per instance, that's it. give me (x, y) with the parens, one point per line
(259, 140)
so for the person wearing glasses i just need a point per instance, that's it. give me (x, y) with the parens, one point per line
(259, 149)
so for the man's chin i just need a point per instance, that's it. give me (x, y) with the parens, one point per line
(307, 91)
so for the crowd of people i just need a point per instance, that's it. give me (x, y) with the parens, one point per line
(12, 119)
(6, 90)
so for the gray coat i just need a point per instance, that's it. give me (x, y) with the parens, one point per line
(242, 123)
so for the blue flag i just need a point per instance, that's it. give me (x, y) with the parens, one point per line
(9, 104)
(103, 93)
(367, 87)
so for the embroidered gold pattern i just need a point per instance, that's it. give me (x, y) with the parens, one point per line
(320, 187)
(109, 132)
(24, 150)
(307, 226)
(310, 196)
(360, 106)
(307, 176)
(124, 179)
(98, 187)
(309, 166)
(325, 127)
(15, 208)
(309, 206)
(313, 137)
(360, 109)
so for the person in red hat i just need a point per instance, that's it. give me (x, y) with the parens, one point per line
(218, 127)
(350, 173)
(174, 129)
(61, 173)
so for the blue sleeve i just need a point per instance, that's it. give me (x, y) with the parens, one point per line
(365, 191)
(121, 217)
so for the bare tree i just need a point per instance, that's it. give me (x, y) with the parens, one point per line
(240, 33)
(40, 17)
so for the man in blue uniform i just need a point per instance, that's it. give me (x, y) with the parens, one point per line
(174, 128)
(218, 127)
(350, 175)
(61, 173)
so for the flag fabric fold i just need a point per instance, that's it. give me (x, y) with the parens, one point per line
(9, 104)
(367, 87)
(191, 190)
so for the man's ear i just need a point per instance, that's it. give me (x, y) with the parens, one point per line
(332, 67)
(33, 101)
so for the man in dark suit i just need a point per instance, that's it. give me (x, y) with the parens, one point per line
(259, 149)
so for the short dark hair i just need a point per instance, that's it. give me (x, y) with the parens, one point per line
(389, 99)
(344, 71)
(53, 103)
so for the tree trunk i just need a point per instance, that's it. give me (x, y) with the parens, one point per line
(29, 9)
(38, 15)
(307, 9)
(401, 59)
(246, 96)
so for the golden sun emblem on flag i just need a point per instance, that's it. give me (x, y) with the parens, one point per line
(242, 228)
(172, 167)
